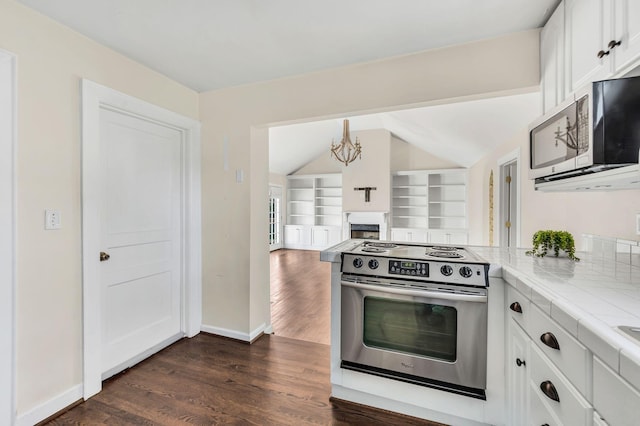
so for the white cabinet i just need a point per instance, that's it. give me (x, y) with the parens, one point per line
(548, 371)
(626, 30)
(617, 402)
(297, 236)
(429, 206)
(602, 39)
(585, 41)
(517, 374)
(587, 32)
(410, 235)
(314, 211)
(552, 60)
(324, 236)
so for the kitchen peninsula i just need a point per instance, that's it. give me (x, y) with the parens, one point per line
(556, 353)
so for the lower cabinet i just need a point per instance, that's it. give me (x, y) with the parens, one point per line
(307, 237)
(616, 401)
(543, 382)
(517, 374)
(424, 235)
(409, 235)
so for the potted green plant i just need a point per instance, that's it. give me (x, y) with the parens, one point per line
(543, 241)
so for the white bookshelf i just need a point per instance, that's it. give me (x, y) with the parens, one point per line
(314, 211)
(429, 206)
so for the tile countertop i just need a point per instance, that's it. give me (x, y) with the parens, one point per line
(589, 298)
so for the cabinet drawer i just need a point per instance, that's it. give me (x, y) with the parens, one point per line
(540, 412)
(571, 357)
(571, 408)
(518, 306)
(615, 399)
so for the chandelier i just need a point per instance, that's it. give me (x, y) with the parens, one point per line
(346, 151)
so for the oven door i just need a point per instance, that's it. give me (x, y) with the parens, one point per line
(425, 336)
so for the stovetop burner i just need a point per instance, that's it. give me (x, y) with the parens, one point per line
(380, 245)
(445, 254)
(442, 248)
(371, 249)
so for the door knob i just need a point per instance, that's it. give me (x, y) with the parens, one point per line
(104, 256)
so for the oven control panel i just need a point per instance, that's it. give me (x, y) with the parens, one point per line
(408, 267)
(468, 274)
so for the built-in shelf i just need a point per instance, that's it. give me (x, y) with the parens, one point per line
(315, 200)
(429, 202)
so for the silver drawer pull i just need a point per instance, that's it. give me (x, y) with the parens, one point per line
(549, 390)
(550, 340)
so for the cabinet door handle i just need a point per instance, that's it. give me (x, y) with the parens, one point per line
(550, 340)
(602, 54)
(520, 362)
(515, 307)
(549, 390)
(104, 256)
(613, 44)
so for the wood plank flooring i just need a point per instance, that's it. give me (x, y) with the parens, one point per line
(282, 379)
(210, 380)
(301, 295)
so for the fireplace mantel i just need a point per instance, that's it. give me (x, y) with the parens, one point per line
(366, 218)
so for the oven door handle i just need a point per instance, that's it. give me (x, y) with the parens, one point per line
(419, 293)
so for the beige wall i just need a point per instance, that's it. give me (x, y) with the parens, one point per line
(233, 254)
(51, 61)
(608, 213)
(372, 170)
(405, 156)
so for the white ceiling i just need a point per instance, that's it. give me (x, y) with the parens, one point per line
(213, 44)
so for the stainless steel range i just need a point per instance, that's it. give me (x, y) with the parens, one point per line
(416, 313)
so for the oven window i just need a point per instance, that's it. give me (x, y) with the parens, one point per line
(411, 327)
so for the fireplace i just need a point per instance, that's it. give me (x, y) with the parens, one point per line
(365, 225)
(365, 231)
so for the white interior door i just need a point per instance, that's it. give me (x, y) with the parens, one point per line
(140, 270)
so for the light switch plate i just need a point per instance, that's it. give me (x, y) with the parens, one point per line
(52, 219)
(638, 223)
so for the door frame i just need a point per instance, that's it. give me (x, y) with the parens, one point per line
(95, 97)
(513, 156)
(8, 231)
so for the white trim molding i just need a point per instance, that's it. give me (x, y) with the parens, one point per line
(8, 226)
(50, 407)
(95, 97)
(238, 335)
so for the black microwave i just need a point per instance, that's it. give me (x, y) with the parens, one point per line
(597, 129)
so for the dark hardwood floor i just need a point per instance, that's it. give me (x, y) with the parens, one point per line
(301, 295)
(281, 379)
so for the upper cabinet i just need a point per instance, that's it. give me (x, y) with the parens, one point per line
(585, 41)
(587, 32)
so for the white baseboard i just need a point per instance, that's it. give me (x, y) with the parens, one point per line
(49, 408)
(237, 335)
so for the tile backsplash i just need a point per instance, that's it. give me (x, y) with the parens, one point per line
(615, 249)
